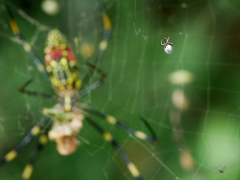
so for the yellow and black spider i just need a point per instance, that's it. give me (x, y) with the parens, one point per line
(63, 121)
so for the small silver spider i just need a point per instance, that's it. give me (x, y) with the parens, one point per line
(167, 46)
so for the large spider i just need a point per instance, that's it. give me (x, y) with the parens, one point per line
(62, 122)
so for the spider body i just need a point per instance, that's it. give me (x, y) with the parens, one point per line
(61, 66)
(167, 46)
(168, 49)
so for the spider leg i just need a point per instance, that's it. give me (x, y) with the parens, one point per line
(102, 46)
(90, 88)
(167, 39)
(167, 35)
(95, 84)
(108, 137)
(26, 45)
(34, 132)
(99, 71)
(33, 93)
(41, 143)
(163, 45)
(116, 122)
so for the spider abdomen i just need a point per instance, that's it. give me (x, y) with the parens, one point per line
(168, 49)
(61, 63)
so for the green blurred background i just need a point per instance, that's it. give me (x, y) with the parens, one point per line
(205, 135)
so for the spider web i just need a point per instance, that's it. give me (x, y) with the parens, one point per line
(197, 138)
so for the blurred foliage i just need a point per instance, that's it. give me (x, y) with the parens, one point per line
(207, 44)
